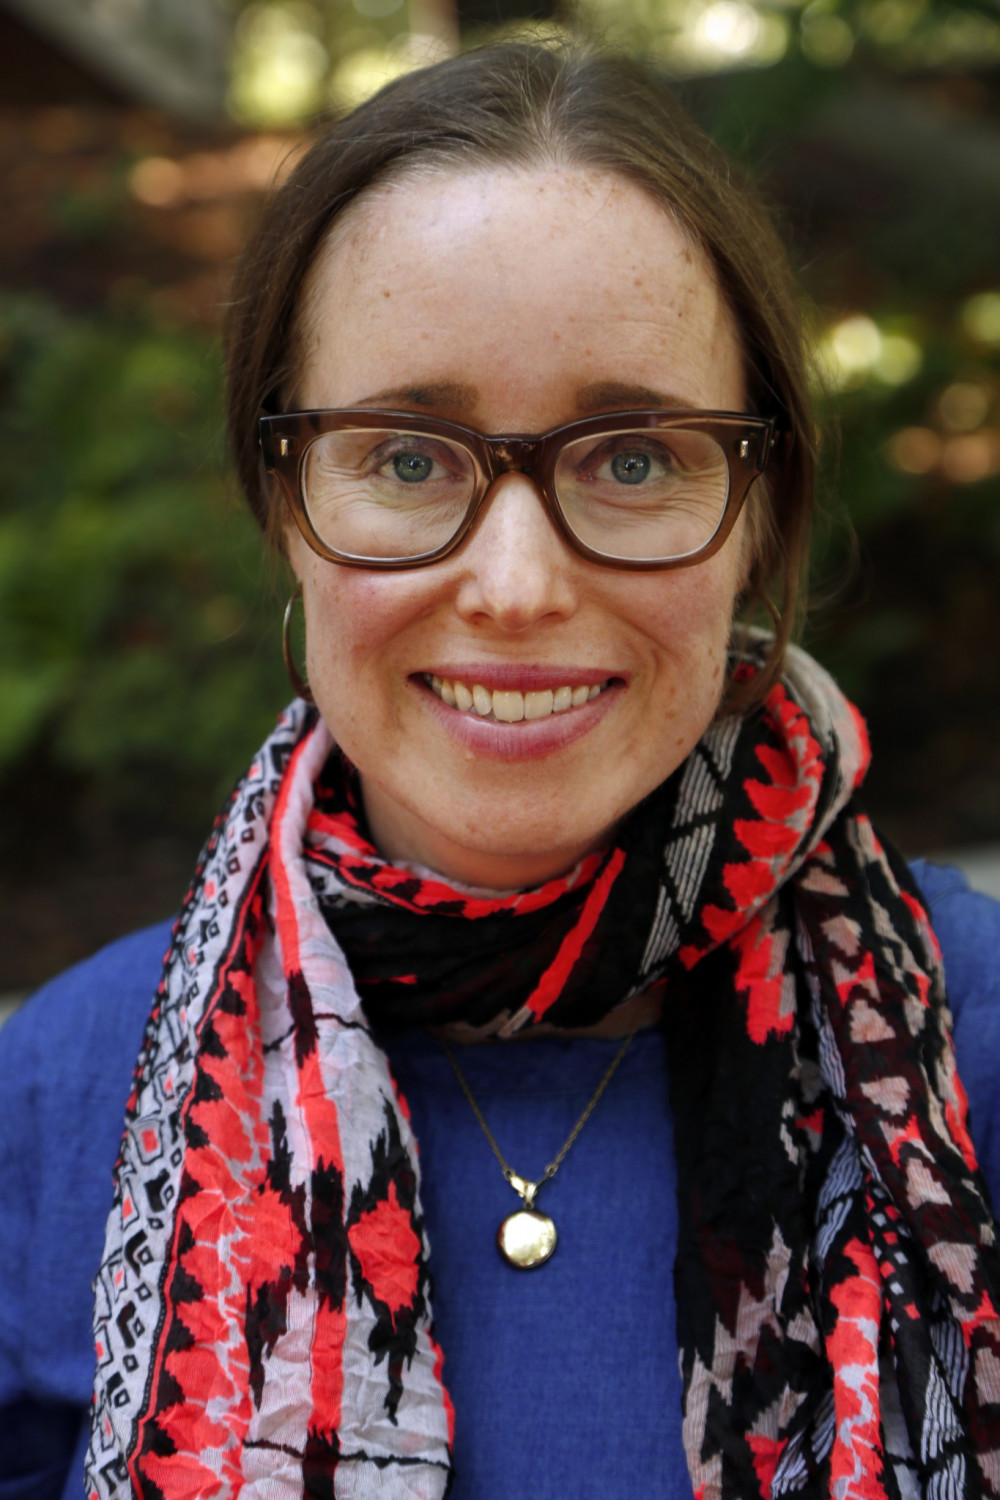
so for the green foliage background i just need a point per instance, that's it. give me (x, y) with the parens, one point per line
(131, 583)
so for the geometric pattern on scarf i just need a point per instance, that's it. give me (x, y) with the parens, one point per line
(262, 1321)
(262, 1318)
(837, 1274)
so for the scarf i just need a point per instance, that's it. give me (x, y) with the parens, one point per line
(263, 1322)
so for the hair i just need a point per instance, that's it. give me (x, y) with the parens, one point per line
(523, 105)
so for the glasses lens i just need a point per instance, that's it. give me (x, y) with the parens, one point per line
(381, 493)
(643, 494)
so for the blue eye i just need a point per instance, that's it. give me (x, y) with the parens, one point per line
(630, 468)
(412, 467)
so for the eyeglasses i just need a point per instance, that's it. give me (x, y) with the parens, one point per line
(632, 489)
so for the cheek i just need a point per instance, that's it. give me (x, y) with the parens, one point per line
(357, 627)
(690, 612)
(687, 619)
(348, 614)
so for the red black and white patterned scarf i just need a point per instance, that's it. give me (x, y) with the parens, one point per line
(262, 1320)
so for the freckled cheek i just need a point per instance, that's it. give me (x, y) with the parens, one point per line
(690, 616)
(687, 623)
(350, 617)
(357, 657)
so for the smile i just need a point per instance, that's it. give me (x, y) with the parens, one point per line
(510, 706)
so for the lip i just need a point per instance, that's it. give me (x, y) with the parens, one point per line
(530, 739)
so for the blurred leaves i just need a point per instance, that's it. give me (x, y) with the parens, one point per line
(130, 583)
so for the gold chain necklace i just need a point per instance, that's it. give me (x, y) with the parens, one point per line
(527, 1238)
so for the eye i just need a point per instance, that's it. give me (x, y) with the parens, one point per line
(627, 459)
(413, 460)
(630, 467)
(412, 467)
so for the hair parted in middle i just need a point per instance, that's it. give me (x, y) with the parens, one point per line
(523, 105)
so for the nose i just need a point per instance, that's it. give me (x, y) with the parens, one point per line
(516, 568)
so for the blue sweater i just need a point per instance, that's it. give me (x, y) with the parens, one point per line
(564, 1379)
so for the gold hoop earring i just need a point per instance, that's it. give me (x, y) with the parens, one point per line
(302, 688)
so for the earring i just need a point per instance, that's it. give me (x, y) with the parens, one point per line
(302, 688)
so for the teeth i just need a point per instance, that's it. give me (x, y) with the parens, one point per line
(539, 705)
(509, 706)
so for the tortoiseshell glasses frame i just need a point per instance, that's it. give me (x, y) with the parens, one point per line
(706, 462)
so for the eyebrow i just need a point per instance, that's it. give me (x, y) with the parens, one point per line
(434, 394)
(604, 395)
(607, 395)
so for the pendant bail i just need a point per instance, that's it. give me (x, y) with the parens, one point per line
(525, 1190)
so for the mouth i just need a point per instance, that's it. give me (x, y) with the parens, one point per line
(512, 705)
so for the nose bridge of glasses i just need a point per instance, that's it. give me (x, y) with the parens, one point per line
(502, 455)
(507, 455)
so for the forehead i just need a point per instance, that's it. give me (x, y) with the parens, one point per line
(522, 276)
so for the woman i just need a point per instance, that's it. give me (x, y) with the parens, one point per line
(535, 435)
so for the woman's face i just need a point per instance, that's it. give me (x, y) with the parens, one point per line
(514, 301)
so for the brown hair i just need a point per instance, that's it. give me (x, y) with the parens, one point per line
(525, 104)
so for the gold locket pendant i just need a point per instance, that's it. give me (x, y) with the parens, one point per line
(526, 1238)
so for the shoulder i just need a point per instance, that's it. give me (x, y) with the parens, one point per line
(66, 1062)
(97, 1008)
(68, 1053)
(967, 925)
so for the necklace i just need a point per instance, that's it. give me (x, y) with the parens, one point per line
(527, 1238)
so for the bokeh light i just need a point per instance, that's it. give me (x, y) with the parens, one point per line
(914, 450)
(971, 458)
(899, 360)
(825, 37)
(364, 71)
(980, 317)
(964, 405)
(855, 349)
(280, 64)
(725, 34)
